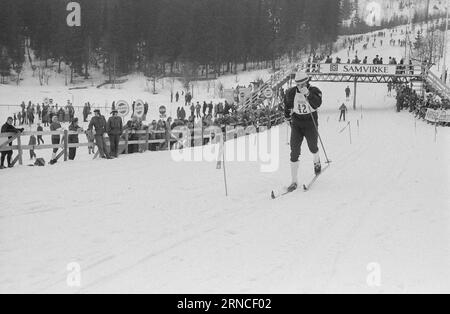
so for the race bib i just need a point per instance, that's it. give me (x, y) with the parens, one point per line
(301, 105)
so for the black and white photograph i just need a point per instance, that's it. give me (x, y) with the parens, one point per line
(224, 152)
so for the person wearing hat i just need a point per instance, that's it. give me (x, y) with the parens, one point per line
(301, 103)
(8, 128)
(56, 138)
(73, 138)
(98, 122)
(114, 127)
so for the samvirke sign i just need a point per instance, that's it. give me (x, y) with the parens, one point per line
(359, 69)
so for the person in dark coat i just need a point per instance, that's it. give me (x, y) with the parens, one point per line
(114, 127)
(205, 107)
(98, 122)
(182, 114)
(177, 97)
(8, 128)
(301, 104)
(210, 108)
(343, 110)
(347, 92)
(86, 112)
(56, 138)
(32, 143)
(144, 117)
(40, 140)
(61, 115)
(73, 138)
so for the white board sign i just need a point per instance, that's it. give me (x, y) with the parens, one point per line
(358, 69)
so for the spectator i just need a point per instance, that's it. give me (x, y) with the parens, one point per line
(39, 137)
(73, 138)
(114, 128)
(56, 138)
(144, 117)
(8, 128)
(98, 122)
(32, 143)
(205, 107)
(198, 108)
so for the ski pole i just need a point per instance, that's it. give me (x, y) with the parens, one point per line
(224, 167)
(318, 134)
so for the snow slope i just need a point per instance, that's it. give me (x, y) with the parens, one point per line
(145, 223)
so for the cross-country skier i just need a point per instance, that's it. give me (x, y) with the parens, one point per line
(347, 93)
(301, 103)
(343, 109)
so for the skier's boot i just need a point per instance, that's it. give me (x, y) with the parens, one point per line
(292, 187)
(318, 168)
(317, 164)
(294, 176)
(2, 167)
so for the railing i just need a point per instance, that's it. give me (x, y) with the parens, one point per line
(274, 80)
(440, 87)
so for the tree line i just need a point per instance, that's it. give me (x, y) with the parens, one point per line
(156, 36)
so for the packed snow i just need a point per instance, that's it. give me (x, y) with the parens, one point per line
(146, 223)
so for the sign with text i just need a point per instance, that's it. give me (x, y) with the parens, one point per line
(123, 108)
(438, 115)
(139, 108)
(359, 69)
(268, 93)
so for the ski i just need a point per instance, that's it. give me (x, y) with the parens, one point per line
(275, 195)
(306, 188)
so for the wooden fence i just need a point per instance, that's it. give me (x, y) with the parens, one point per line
(197, 138)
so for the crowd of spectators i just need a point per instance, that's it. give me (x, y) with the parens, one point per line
(409, 99)
(44, 112)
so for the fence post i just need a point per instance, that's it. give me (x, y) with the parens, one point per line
(126, 141)
(350, 131)
(20, 150)
(147, 138)
(66, 143)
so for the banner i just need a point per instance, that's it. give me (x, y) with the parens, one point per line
(358, 69)
(438, 115)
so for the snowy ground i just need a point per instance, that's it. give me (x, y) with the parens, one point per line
(144, 223)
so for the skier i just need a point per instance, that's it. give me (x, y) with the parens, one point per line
(343, 110)
(347, 93)
(301, 103)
